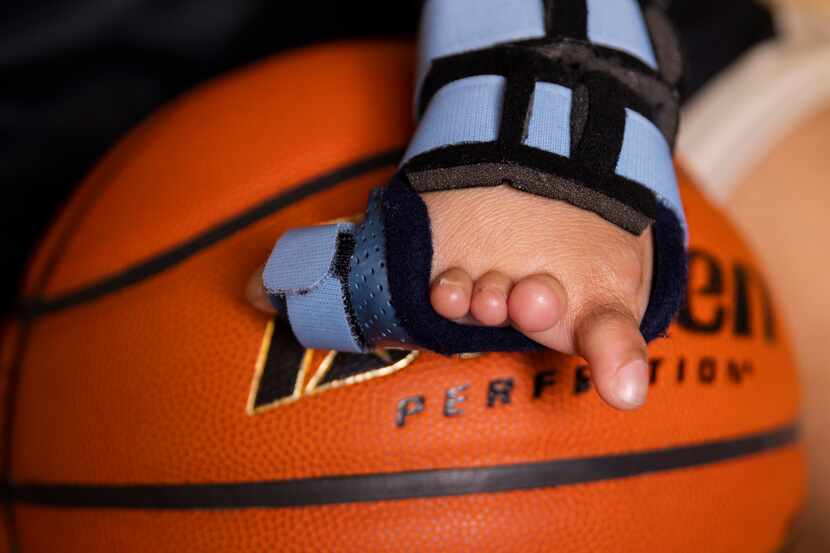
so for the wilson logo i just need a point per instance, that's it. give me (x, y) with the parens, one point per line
(722, 297)
(286, 371)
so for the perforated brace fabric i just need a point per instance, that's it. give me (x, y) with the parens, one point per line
(356, 288)
(333, 283)
(344, 290)
(371, 295)
(570, 99)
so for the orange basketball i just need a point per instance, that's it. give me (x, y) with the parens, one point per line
(152, 409)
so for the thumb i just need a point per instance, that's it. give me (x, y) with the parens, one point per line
(255, 293)
(609, 338)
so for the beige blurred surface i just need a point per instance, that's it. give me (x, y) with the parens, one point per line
(758, 139)
(784, 209)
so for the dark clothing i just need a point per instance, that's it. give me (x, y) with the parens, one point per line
(76, 76)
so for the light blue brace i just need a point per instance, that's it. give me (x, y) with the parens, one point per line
(301, 268)
(462, 112)
(345, 308)
(549, 127)
(620, 24)
(451, 27)
(646, 158)
(333, 278)
(469, 111)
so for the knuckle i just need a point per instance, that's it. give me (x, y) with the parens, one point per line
(615, 273)
(605, 315)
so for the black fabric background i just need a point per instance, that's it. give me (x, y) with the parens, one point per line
(77, 75)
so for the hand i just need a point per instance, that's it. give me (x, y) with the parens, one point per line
(562, 276)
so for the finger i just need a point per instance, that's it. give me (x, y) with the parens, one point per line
(537, 303)
(450, 293)
(256, 294)
(609, 339)
(489, 302)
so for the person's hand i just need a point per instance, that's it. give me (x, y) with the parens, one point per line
(562, 276)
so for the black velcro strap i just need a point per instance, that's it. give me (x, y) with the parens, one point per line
(567, 64)
(566, 19)
(623, 202)
(586, 179)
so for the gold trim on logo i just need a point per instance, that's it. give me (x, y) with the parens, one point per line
(260, 367)
(314, 387)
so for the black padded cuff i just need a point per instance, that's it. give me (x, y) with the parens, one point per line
(669, 277)
(409, 258)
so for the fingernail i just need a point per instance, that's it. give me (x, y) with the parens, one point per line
(632, 383)
(444, 281)
(456, 294)
(495, 290)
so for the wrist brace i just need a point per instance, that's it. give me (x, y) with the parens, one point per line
(571, 100)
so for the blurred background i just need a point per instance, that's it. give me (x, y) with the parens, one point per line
(78, 75)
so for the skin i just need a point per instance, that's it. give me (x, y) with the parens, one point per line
(784, 202)
(562, 276)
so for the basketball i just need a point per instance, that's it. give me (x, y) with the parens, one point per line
(151, 408)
